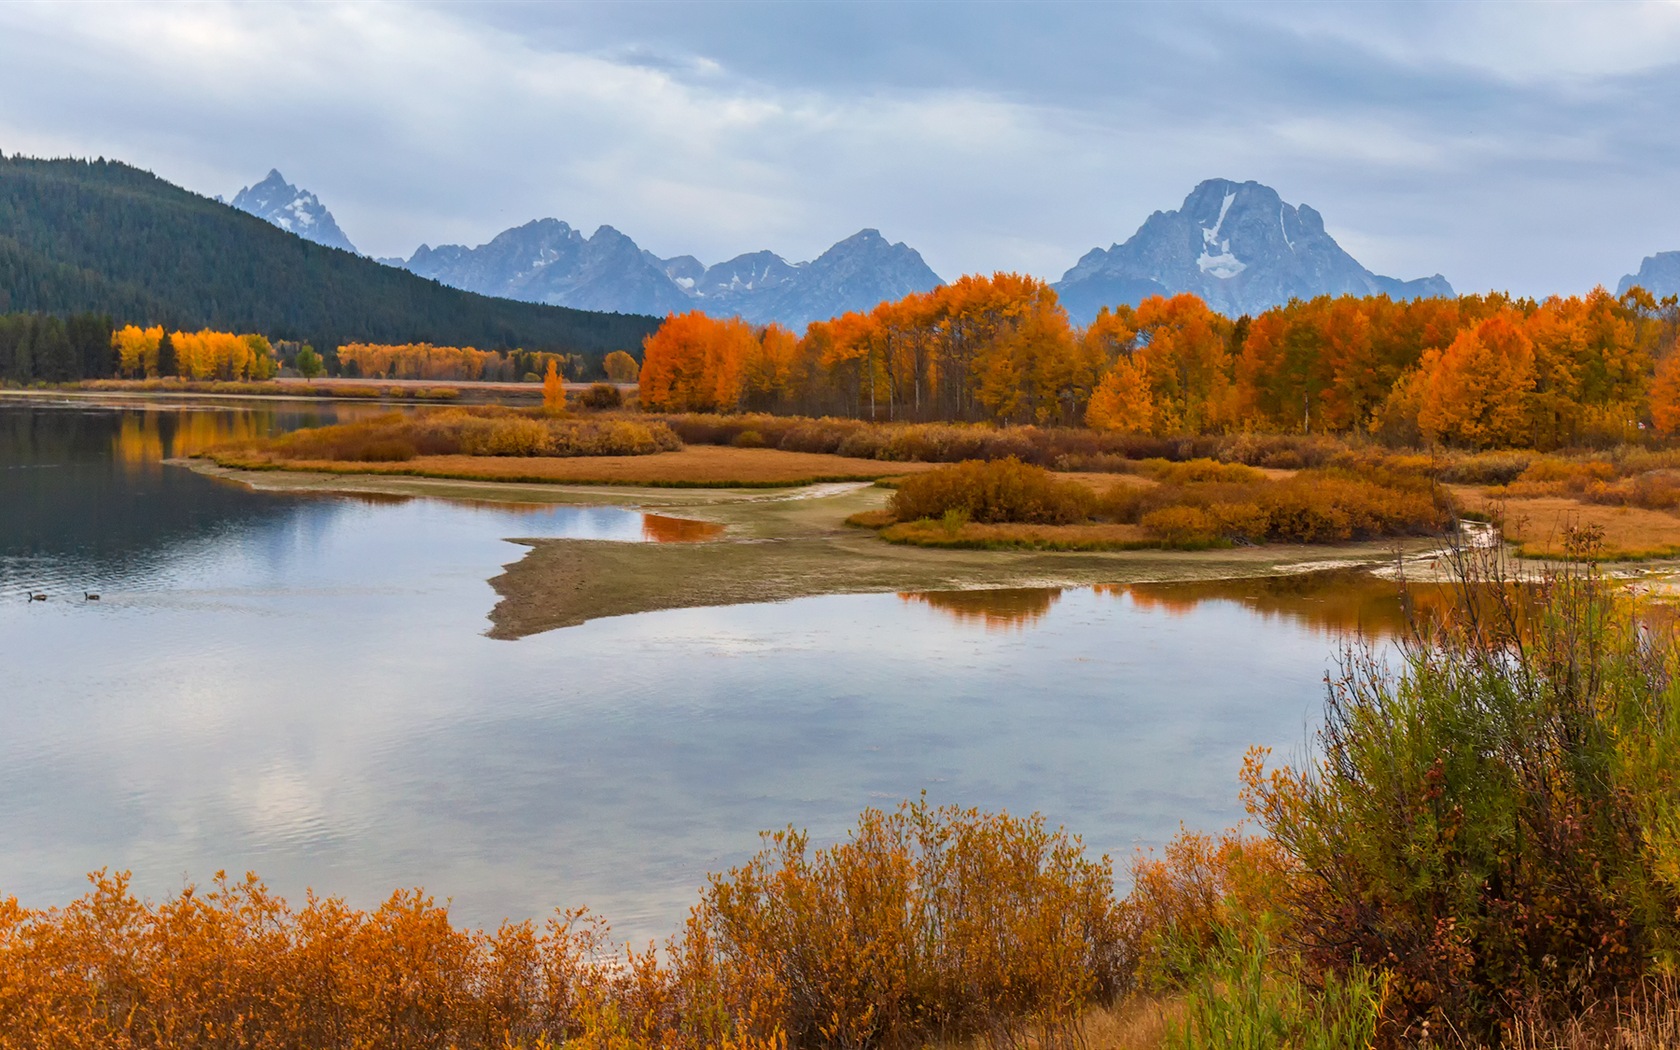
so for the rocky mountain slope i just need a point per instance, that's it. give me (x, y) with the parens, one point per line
(1659, 274)
(294, 210)
(547, 261)
(1239, 247)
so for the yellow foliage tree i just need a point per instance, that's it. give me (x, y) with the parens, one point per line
(137, 349)
(621, 367)
(554, 390)
(1122, 401)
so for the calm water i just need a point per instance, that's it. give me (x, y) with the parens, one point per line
(300, 686)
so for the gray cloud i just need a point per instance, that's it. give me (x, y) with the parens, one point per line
(1503, 145)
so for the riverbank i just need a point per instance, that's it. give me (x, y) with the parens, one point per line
(779, 545)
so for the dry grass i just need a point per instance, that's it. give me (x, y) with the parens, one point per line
(1137, 1023)
(976, 536)
(1537, 528)
(708, 466)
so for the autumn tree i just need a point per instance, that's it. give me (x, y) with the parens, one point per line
(1123, 401)
(554, 390)
(1476, 391)
(620, 367)
(136, 349)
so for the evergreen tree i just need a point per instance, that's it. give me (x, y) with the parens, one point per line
(167, 365)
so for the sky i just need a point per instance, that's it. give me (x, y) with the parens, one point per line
(1515, 146)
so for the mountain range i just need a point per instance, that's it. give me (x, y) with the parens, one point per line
(547, 261)
(1239, 247)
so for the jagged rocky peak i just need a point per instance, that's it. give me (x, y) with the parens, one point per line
(752, 272)
(548, 261)
(1659, 274)
(292, 209)
(1239, 246)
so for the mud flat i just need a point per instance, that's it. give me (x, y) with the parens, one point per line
(775, 545)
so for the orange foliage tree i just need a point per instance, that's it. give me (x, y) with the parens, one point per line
(554, 389)
(1478, 370)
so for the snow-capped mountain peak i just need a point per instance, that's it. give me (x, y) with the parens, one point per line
(1239, 246)
(292, 209)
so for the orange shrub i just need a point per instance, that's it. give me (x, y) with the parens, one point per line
(1181, 526)
(926, 923)
(1000, 491)
(1199, 888)
(474, 432)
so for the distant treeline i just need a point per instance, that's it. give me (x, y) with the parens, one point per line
(44, 348)
(105, 237)
(1476, 371)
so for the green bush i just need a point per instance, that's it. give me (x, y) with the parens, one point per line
(1498, 825)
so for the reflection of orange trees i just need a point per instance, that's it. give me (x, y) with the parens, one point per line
(1339, 602)
(658, 528)
(994, 609)
(141, 435)
(923, 923)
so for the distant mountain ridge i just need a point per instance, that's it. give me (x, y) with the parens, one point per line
(107, 237)
(548, 261)
(293, 210)
(1659, 274)
(1236, 245)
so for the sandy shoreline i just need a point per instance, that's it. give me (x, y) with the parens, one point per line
(781, 544)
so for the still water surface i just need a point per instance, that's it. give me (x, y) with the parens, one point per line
(300, 686)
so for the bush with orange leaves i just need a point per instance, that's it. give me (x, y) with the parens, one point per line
(1202, 892)
(927, 922)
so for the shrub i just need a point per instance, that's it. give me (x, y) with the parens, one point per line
(1201, 470)
(925, 924)
(1487, 468)
(748, 439)
(1495, 825)
(602, 395)
(1181, 526)
(1000, 491)
(1202, 890)
(488, 431)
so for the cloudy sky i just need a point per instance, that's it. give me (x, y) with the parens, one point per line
(1529, 147)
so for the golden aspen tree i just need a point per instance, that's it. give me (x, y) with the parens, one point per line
(554, 390)
(1122, 401)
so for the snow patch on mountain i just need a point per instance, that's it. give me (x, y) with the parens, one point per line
(293, 210)
(548, 261)
(1239, 247)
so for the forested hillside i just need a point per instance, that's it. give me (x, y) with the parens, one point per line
(103, 236)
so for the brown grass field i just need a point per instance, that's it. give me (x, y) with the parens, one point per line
(699, 466)
(1536, 526)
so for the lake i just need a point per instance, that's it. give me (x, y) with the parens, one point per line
(301, 686)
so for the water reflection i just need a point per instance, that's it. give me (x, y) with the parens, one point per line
(300, 686)
(658, 528)
(1342, 602)
(995, 609)
(1338, 603)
